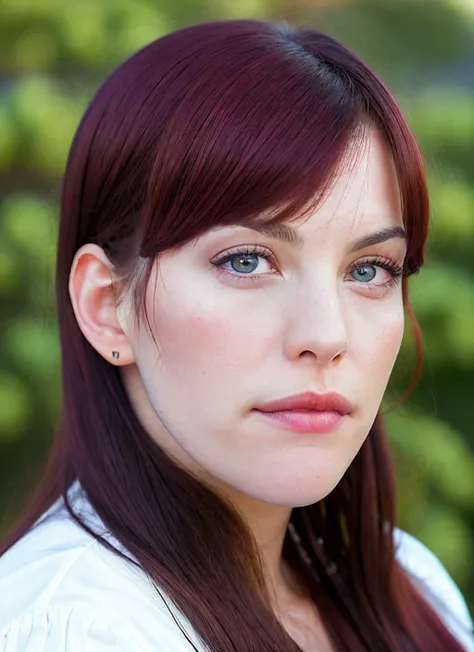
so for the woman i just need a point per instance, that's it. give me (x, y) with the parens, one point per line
(242, 207)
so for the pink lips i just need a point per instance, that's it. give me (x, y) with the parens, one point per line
(308, 412)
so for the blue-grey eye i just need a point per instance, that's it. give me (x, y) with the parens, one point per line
(366, 273)
(244, 264)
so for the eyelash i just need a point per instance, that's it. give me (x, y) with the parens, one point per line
(395, 270)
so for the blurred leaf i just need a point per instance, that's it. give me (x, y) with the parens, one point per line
(39, 104)
(453, 221)
(8, 277)
(33, 346)
(437, 451)
(7, 137)
(443, 115)
(15, 409)
(448, 537)
(443, 300)
(34, 50)
(31, 223)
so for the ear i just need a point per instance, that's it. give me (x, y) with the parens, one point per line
(94, 301)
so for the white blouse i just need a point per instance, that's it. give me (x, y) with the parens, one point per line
(62, 591)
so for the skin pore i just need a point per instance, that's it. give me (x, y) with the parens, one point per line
(277, 319)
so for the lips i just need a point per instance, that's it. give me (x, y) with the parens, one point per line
(309, 401)
(307, 413)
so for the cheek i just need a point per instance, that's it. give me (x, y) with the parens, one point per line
(379, 347)
(202, 337)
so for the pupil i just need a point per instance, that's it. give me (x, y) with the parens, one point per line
(366, 273)
(245, 264)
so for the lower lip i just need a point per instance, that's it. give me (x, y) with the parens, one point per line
(306, 421)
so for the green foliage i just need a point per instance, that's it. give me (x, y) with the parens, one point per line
(53, 58)
(15, 407)
(436, 468)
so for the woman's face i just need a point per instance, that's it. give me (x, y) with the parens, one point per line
(278, 318)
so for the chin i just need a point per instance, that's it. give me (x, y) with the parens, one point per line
(291, 495)
(304, 500)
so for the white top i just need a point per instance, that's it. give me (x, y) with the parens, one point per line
(62, 591)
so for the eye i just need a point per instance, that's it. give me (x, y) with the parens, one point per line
(366, 271)
(241, 264)
(244, 261)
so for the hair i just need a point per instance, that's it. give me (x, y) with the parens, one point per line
(218, 124)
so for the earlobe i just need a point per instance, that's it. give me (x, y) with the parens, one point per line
(94, 301)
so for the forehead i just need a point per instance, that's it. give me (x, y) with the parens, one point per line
(364, 194)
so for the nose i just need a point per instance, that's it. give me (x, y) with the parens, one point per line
(316, 326)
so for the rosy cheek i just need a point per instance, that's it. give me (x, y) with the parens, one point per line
(209, 332)
(187, 336)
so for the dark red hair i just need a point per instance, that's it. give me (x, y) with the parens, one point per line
(214, 124)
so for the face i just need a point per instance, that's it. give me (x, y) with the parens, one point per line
(242, 318)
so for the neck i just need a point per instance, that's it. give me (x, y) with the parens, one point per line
(268, 524)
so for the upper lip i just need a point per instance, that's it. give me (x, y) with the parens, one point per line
(327, 402)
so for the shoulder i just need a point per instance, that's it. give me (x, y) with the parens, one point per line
(436, 584)
(67, 592)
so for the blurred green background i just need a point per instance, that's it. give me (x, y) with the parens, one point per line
(53, 56)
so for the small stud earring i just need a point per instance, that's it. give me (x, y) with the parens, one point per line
(115, 354)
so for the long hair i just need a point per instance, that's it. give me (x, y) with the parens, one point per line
(212, 125)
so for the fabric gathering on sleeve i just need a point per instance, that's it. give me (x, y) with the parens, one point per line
(65, 629)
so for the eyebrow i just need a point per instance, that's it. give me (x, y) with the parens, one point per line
(289, 235)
